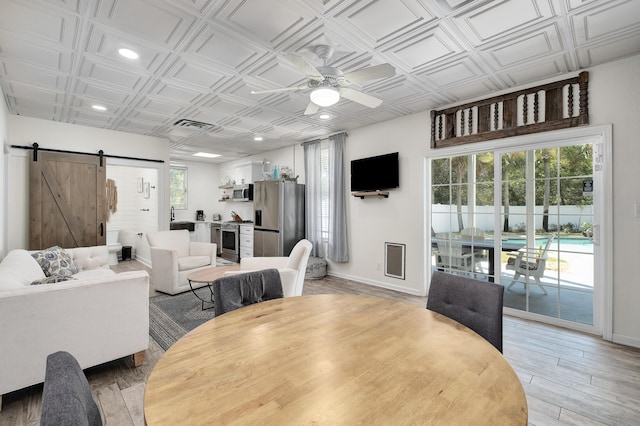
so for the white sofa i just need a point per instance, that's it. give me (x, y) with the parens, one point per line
(292, 268)
(174, 256)
(98, 317)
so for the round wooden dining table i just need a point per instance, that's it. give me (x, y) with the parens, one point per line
(336, 360)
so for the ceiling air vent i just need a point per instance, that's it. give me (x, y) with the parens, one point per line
(193, 124)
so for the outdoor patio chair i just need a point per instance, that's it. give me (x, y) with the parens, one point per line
(529, 263)
(479, 255)
(450, 256)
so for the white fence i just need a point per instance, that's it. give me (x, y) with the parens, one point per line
(445, 219)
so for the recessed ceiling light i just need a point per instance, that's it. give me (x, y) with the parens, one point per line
(325, 116)
(206, 155)
(128, 53)
(99, 107)
(257, 138)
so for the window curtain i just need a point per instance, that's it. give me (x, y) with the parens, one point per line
(337, 249)
(313, 196)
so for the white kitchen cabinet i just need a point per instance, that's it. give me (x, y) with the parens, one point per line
(249, 172)
(203, 232)
(246, 241)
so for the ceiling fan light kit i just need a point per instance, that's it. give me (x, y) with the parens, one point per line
(325, 96)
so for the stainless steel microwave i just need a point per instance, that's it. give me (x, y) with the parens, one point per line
(242, 192)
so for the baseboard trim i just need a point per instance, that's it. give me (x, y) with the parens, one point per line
(626, 340)
(376, 283)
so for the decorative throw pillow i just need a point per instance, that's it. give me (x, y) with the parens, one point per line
(55, 261)
(53, 279)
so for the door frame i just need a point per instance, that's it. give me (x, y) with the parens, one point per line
(601, 137)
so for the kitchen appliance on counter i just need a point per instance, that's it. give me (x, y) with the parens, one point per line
(242, 192)
(216, 217)
(278, 217)
(200, 215)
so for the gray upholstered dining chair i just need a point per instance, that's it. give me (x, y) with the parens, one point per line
(66, 395)
(473, 303)
(235, 291)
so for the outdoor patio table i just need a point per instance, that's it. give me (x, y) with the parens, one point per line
(486, 245)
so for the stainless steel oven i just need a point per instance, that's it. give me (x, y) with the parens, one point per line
(231, 241)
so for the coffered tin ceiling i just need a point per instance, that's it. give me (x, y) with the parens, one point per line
(200, 59)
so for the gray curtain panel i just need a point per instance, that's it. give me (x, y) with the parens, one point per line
(313, 196)
(338, 250)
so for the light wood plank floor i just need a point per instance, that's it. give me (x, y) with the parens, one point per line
(570, 378)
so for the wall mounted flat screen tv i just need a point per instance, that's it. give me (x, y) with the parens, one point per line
(375, 173)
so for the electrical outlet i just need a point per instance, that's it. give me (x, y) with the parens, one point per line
(379, 266)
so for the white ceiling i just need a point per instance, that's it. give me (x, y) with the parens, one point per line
(199, 60)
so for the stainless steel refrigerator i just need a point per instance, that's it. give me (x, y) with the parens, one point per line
(278, 217)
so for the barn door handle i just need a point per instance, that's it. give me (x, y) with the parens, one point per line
(102, 229)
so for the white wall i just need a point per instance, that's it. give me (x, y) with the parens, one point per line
(50, 134)
(202, 181)
(397, 219)
(135, 215)
(4, 138)
(614, 93)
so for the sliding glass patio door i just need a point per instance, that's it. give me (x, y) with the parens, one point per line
(522, 218)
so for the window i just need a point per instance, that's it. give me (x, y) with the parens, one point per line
(324, 165)
(178, 187)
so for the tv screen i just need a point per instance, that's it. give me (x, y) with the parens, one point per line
(375, 173)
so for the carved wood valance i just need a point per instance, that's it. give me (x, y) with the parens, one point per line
(537, 109)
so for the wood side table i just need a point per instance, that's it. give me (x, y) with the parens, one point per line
(208, 276)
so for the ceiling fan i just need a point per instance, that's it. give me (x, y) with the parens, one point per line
(328, 83)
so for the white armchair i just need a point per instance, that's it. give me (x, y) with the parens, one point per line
(174, 256)
(292, 268)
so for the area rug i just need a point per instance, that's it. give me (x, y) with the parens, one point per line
(171, 317)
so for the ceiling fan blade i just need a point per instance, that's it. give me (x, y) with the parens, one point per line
(304, 65)
(311, 109)
(361, 98)
(370, 73)
(281, 89)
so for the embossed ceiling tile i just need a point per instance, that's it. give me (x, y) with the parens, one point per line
(524, 48)
(26, 91)
(500, 18)
(154, 21)
(274, 74)
(608, 50)
(606, 20)
(267, 22)
(173, 92)
(104, 44)
(470, 90)
(423, 49)
(577, 4)
(452, 73)
(13, 70)
(36, 108)
(86, 115)
(34, 52)
(224, 107)
(109, 75)
(218, 47)
(162, 106)
(535, 71)
(381, 21)
(196, 5)
(200, 77)
(45, 23)
(102, 93)
(149, 116)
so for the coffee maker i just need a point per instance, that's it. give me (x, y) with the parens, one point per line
(200, 215)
